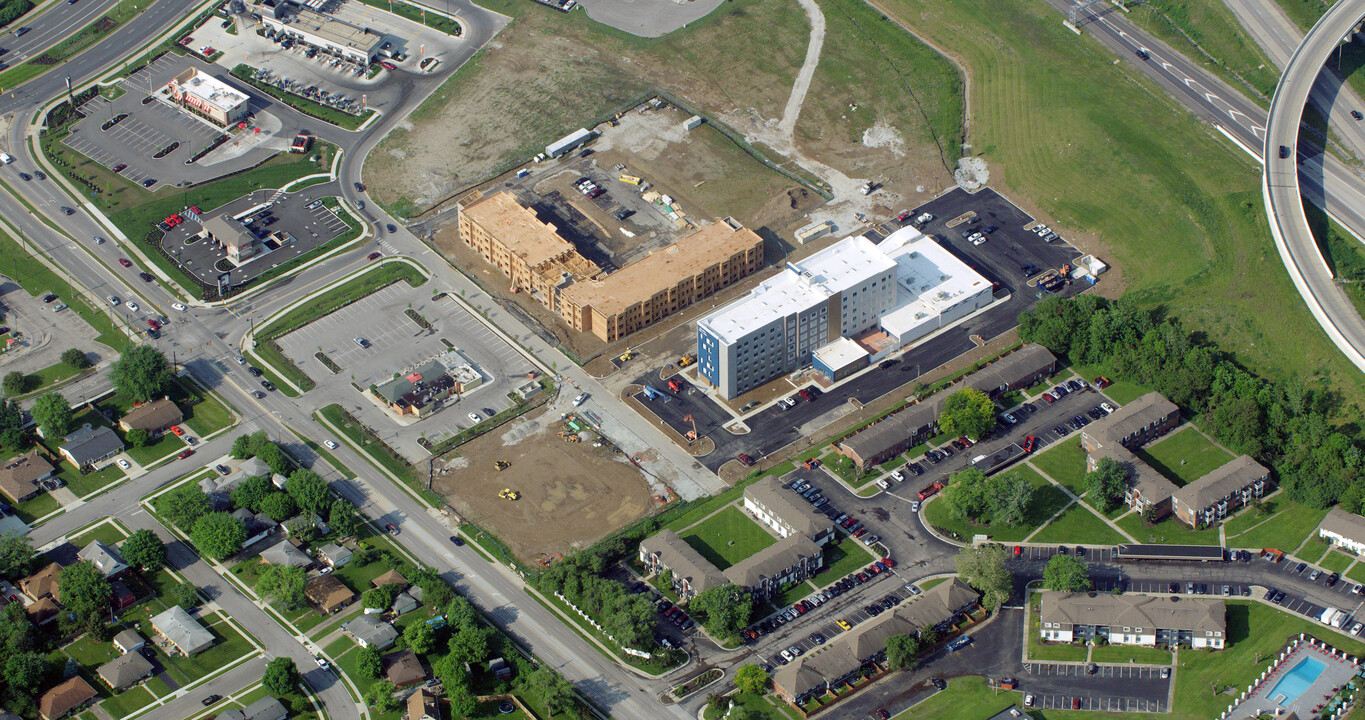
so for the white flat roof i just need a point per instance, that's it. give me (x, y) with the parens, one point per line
(929, 280)
(213, 91)
(799, 286)
(840, 354)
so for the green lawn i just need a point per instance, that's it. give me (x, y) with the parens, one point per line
(36, 507)
(1202, 230)
(966, 698)
(106, 532)
(1184, 456)
(1065, 463)
(1169, 532)
(1047, 500)
(790, 595)
(165, 445)
(1336, 561)
(1078, 525)
(228, 646)
(1285, 531)
(1357, 573)
(1120, 391)
(727, 537)
(1130, 653)
(1246, 517)
(759, 707)
(120, 705)
(931, 583)
(86, 485)
(204, 414)
(840, 560)
(1312, 551)
(50, 375)
(35, 276)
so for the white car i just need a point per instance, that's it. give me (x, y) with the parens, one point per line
(883, 484)
(241, 360)
(123, 464)
(579, 400)
(179, 306)
(330, 444)
(474, 418)
(786, 656)
(1028, 701)
(113, 300)
(323, 664)
(897, 475)
(1106, 407)
(132, 306)
(914, 506)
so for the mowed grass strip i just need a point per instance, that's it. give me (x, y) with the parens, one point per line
(1079, 525)
(727, 537)
(1167, 532)
(1080, 124)
(1184, 456)
(1285, 531)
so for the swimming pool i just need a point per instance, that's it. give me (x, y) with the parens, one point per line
(1296, 680)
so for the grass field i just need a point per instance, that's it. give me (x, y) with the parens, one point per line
(1312, 550)
(1168, 532)
(1130, 653)
(842, 559)
(1065, 463)
(35, 276)
(966, 698)
(1047, 500)
(1357, 573)
(727, 537)
(1285, 531)
(1248, 517)
(1336, 561)
(1078, 525)
(1184, 456)
(1080, 121)
(40, 506)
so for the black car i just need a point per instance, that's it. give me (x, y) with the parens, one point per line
(25, 176)
(255, 371)
(915, 469)
(146, 277)
(148, 182)
(938, 683)
(624, 213)
(266, 384)
(1332, 579)
(1175, 588)
(258, 394)
(48, 298)
(222, 469)
(67, 211)
(360, 187)
(391, 228)
(210, 700)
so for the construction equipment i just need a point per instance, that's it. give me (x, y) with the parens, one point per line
(502, 465)
(509, 494)
(568, 436)
(630, 179)
(691, 434)
(626, 355)
(687, 359)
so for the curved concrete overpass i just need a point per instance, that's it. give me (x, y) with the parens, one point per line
(1280, 183)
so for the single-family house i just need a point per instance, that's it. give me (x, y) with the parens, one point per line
(403, 668)
(422, 705)
(328, 594)
(105, 558)
(129, 641)
(61, 700)
(155, 417)
(287, 554)
(90, 446)
(124, 671)
(335, 555)
(370, 631)
(42, 583)
(258, 525)
(182, 631)
(389, 577)
(21, 477)
(267, 708)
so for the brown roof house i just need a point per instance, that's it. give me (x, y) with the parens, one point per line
(403, 668)
(422, 705)
(42, 583)
(154, 417)
(124, 671)
(390, 577)
(70, 695)
(328, 593)
(21, 477)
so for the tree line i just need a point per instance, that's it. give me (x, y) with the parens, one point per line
(1291, 426)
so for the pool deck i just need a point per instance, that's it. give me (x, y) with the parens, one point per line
(1338, 668)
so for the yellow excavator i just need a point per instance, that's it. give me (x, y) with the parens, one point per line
(509, 494)
(502, 465)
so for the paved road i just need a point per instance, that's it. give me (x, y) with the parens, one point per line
(49, 27)
(1326, 181)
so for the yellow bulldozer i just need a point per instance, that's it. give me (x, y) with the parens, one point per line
(626, 355)
(509, 494)
(687, 360)
(502, 465)
(568, 436)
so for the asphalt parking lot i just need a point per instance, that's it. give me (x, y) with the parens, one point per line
(298, 215)
(1000, 259)
(152, 126)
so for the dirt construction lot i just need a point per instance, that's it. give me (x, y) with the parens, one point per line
(571, 493)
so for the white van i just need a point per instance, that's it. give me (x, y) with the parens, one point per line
(6, 158)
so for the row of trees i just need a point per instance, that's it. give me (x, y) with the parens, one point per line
(18, 383)
(141, 374)
(724, 610)
(1290, 426)
(1000, 500)
(628, 618)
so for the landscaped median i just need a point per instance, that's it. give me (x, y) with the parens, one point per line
(322, 112)
(76, 42)
(317, 305)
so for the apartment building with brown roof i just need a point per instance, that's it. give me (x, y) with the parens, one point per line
(529, 252)
(1219, 493)
(664, 282)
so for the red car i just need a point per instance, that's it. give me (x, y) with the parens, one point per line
(1075, 703)
(372, 256)
(861, 532)
(745, 459)
(1018, 551)
(807, 395)
(1029, 442)
(155, 326)
(387, 65)
(124, 262)
(888, 562)
(119, 167)
(883, 714)
(903, 215)
(185, 453)
(1048, 397)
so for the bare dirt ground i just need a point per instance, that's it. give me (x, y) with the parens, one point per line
(571, 493)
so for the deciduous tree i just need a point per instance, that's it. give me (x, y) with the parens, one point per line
(284, 585)
(471, 643)
(250, 492)
(85, 595)
(141, 373)
(144, 550)
(1010, 496)
(75, 358)
(726, 608)
(281, 676)
(11, 425)
(52, 415)
(1064, 573)
(16, 555)
(183, 506)
(462, 701)
(369, 663)
(15, 383)
(554, 689)
(25, 670)
(218, 535)
(421, 638)
(966, 496)
(379, 598)
(902, 651)
(751, 679)
(186, 595)
(278, 506)
(342, 517)
(1107, 483)
(380, 696)
(137, 437)
(308, 490)
(967, 413)
(984, 569)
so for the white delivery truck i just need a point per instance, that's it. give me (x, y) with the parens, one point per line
(6, 158)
